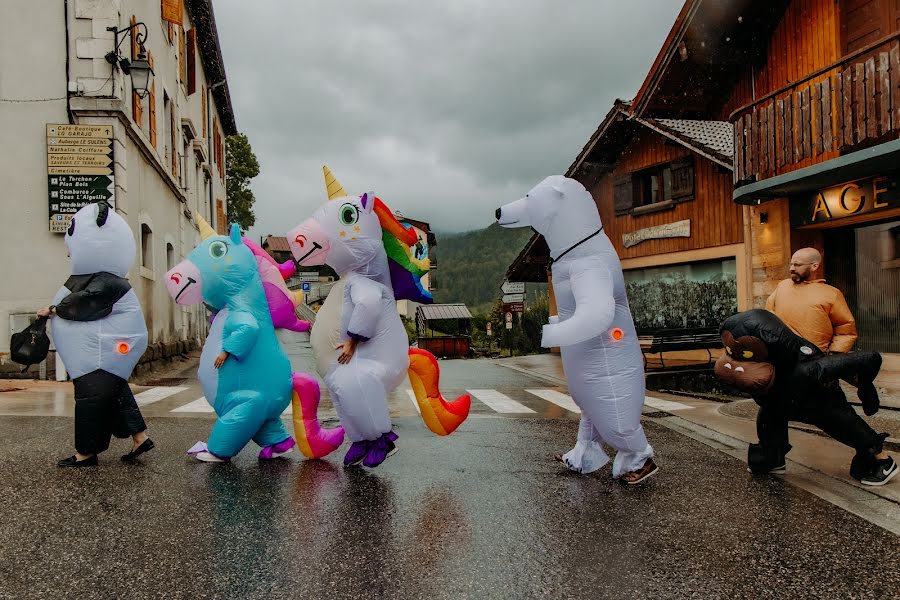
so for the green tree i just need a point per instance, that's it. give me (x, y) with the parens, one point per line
(242, 166)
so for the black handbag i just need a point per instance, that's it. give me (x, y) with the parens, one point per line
(31, 345)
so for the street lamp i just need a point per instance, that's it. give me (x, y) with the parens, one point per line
(139, 69)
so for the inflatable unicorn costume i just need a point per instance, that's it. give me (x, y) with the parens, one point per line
(245, 374)
(363, 242)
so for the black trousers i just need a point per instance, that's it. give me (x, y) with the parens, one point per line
(104, 406)
(826, 408)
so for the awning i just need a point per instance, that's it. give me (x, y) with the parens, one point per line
(856, 165)
(438, 312)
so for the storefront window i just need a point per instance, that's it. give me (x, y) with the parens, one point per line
(700, 294)
(864, 263)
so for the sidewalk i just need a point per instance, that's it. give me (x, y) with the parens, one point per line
(816, 463)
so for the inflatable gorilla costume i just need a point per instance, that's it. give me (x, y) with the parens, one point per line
(791, 379)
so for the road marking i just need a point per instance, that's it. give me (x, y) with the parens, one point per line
(557, 398)
(200, 405)
(415, 403)
(665, 405)
(156, 394)
(500, 403)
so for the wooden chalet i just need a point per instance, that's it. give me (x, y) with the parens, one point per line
(812, 89)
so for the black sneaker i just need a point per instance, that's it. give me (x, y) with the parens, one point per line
(776, 469)
(74, 462)
(884, 472)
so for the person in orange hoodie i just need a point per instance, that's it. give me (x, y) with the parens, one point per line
(819, 313)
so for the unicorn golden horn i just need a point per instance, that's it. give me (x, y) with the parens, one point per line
(332, 185)
(206, 231)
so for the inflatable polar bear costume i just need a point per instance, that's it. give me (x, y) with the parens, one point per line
(594, 329)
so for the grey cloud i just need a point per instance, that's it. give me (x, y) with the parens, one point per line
(445, 110)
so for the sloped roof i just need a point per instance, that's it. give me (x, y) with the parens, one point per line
(437, 312)
(201, 12)
(711, 139)
(276, 243)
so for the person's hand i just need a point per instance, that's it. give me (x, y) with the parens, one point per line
(220, 359)
(44, 312)
(347, 349)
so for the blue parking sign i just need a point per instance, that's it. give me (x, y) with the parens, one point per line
(305, 286)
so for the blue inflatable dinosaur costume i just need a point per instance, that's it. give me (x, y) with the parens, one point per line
(245, 373)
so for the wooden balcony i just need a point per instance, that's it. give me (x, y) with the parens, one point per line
(850, 105)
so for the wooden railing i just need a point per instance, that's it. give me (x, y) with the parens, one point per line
(847, 106)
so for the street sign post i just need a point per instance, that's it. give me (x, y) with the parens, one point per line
(510, 298)
(308, 276)
(489, 332)
(509, 320)
(513, 287)
(79, 170)
(514, 307)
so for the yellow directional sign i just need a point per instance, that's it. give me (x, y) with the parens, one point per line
(80, 131)
(70, 141)
(79, 150)
(74, 160)
(80, 171)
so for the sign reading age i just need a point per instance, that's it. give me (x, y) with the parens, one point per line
(79, 170)
(844, 201)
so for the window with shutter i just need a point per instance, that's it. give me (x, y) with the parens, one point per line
(683, 180)
(172, 11)
(203, 108)
(182, 63)
(191, 61)
(623, 195)
(174, 141)
(221, 226)
(153, 114)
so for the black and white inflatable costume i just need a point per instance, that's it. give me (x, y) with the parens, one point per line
(98, 327)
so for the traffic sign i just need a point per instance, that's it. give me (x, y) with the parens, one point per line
(508, 298)
(514, 307)
(509, 320)
(513, 287)
(308, 276)
(305, 286)
(79, 170)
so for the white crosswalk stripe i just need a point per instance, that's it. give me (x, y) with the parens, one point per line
(200, 405)
(558, 398)
(665, 405)
(500, 403)
(156, 394)
(495, 400)
(412, 397)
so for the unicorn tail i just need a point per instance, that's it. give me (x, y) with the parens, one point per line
(314, 442)
(441, 417)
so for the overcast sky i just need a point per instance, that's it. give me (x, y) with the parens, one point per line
(445, 110)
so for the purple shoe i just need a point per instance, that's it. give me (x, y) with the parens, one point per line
(381, 449)
(357, 452)
(277, 450)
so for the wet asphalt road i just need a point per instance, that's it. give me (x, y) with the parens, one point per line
(483, 513)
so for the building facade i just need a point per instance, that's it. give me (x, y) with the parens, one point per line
(812, 88)
(166, 154)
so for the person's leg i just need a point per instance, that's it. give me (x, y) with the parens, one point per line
(95, 397)
(834, 415)
(128, 421)
(772, 430)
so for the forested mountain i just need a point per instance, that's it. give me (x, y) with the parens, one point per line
(471, 265)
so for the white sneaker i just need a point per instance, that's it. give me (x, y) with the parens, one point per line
(208, 457)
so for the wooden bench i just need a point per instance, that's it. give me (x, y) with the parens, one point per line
(672, 340)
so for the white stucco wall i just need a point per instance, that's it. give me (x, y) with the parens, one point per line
(33, 262)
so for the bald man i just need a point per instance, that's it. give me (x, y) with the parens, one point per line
(811, 308)
(819, 313)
